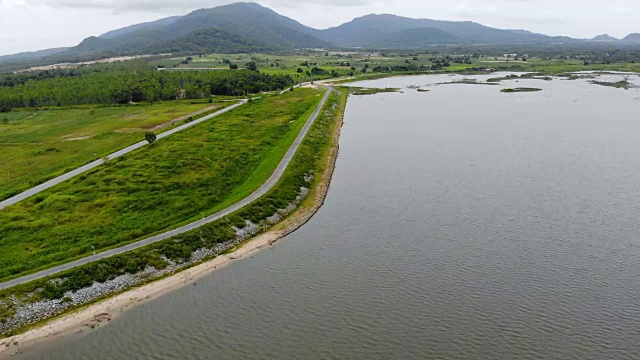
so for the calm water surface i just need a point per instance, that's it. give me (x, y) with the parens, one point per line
(461, 223)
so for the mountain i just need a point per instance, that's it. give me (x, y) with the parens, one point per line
(246, 27)
(371, 28)
(208, 40)
(633, 37)
(604, 37)
(132, 28)
(416, 38)
(31, 55)
(242, 26)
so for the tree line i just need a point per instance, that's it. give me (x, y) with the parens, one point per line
(121, 87)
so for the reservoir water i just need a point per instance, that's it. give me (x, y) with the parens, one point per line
(461, 223)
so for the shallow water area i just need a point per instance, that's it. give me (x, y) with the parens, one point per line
(461, 223)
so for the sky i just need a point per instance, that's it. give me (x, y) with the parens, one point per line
(29, 25)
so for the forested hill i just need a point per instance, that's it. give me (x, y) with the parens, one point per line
(132, 28)
(243, 27)
(234, 28)
(416, 38)
(385, 28)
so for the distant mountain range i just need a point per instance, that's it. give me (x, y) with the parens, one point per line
(249, 27)
(633, 37)
(25, 56)
(604, 37)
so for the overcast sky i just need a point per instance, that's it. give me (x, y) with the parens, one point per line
(28, 25)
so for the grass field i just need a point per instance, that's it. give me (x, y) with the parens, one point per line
(178, 179)
(38, 145)
(267, 63)
(335, 61)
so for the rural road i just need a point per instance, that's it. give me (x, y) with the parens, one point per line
(268, 185)
(92, 165)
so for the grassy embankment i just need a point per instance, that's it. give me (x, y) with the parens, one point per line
(174, 181)
(38, 145)
(311, 162)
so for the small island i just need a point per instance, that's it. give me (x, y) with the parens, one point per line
(623, 84)
(355, 90)
(467, 82)
(520, 89)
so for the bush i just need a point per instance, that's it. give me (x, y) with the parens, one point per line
(150, 137)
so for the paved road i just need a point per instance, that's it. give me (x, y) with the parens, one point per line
(53, 182)
(268, 185)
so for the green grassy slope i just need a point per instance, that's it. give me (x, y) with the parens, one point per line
(176, 180)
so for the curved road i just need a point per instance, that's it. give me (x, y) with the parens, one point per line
(64, 177)
(268, 185)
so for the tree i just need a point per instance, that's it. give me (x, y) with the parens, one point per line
(300, 71)
(318, 71)
(150, 137)
(252, 66)
(233, 66)
(4, 109)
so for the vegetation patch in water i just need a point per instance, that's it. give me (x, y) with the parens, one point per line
(534, 76)
(417, 88)
(623, 84)
(356, 90)
(468, 82)
(520, 89)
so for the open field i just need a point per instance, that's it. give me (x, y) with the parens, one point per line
(271, 64)
(38, 145)
(191, 174)
(342, 63)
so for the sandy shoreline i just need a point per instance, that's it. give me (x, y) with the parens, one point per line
(100, 313)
